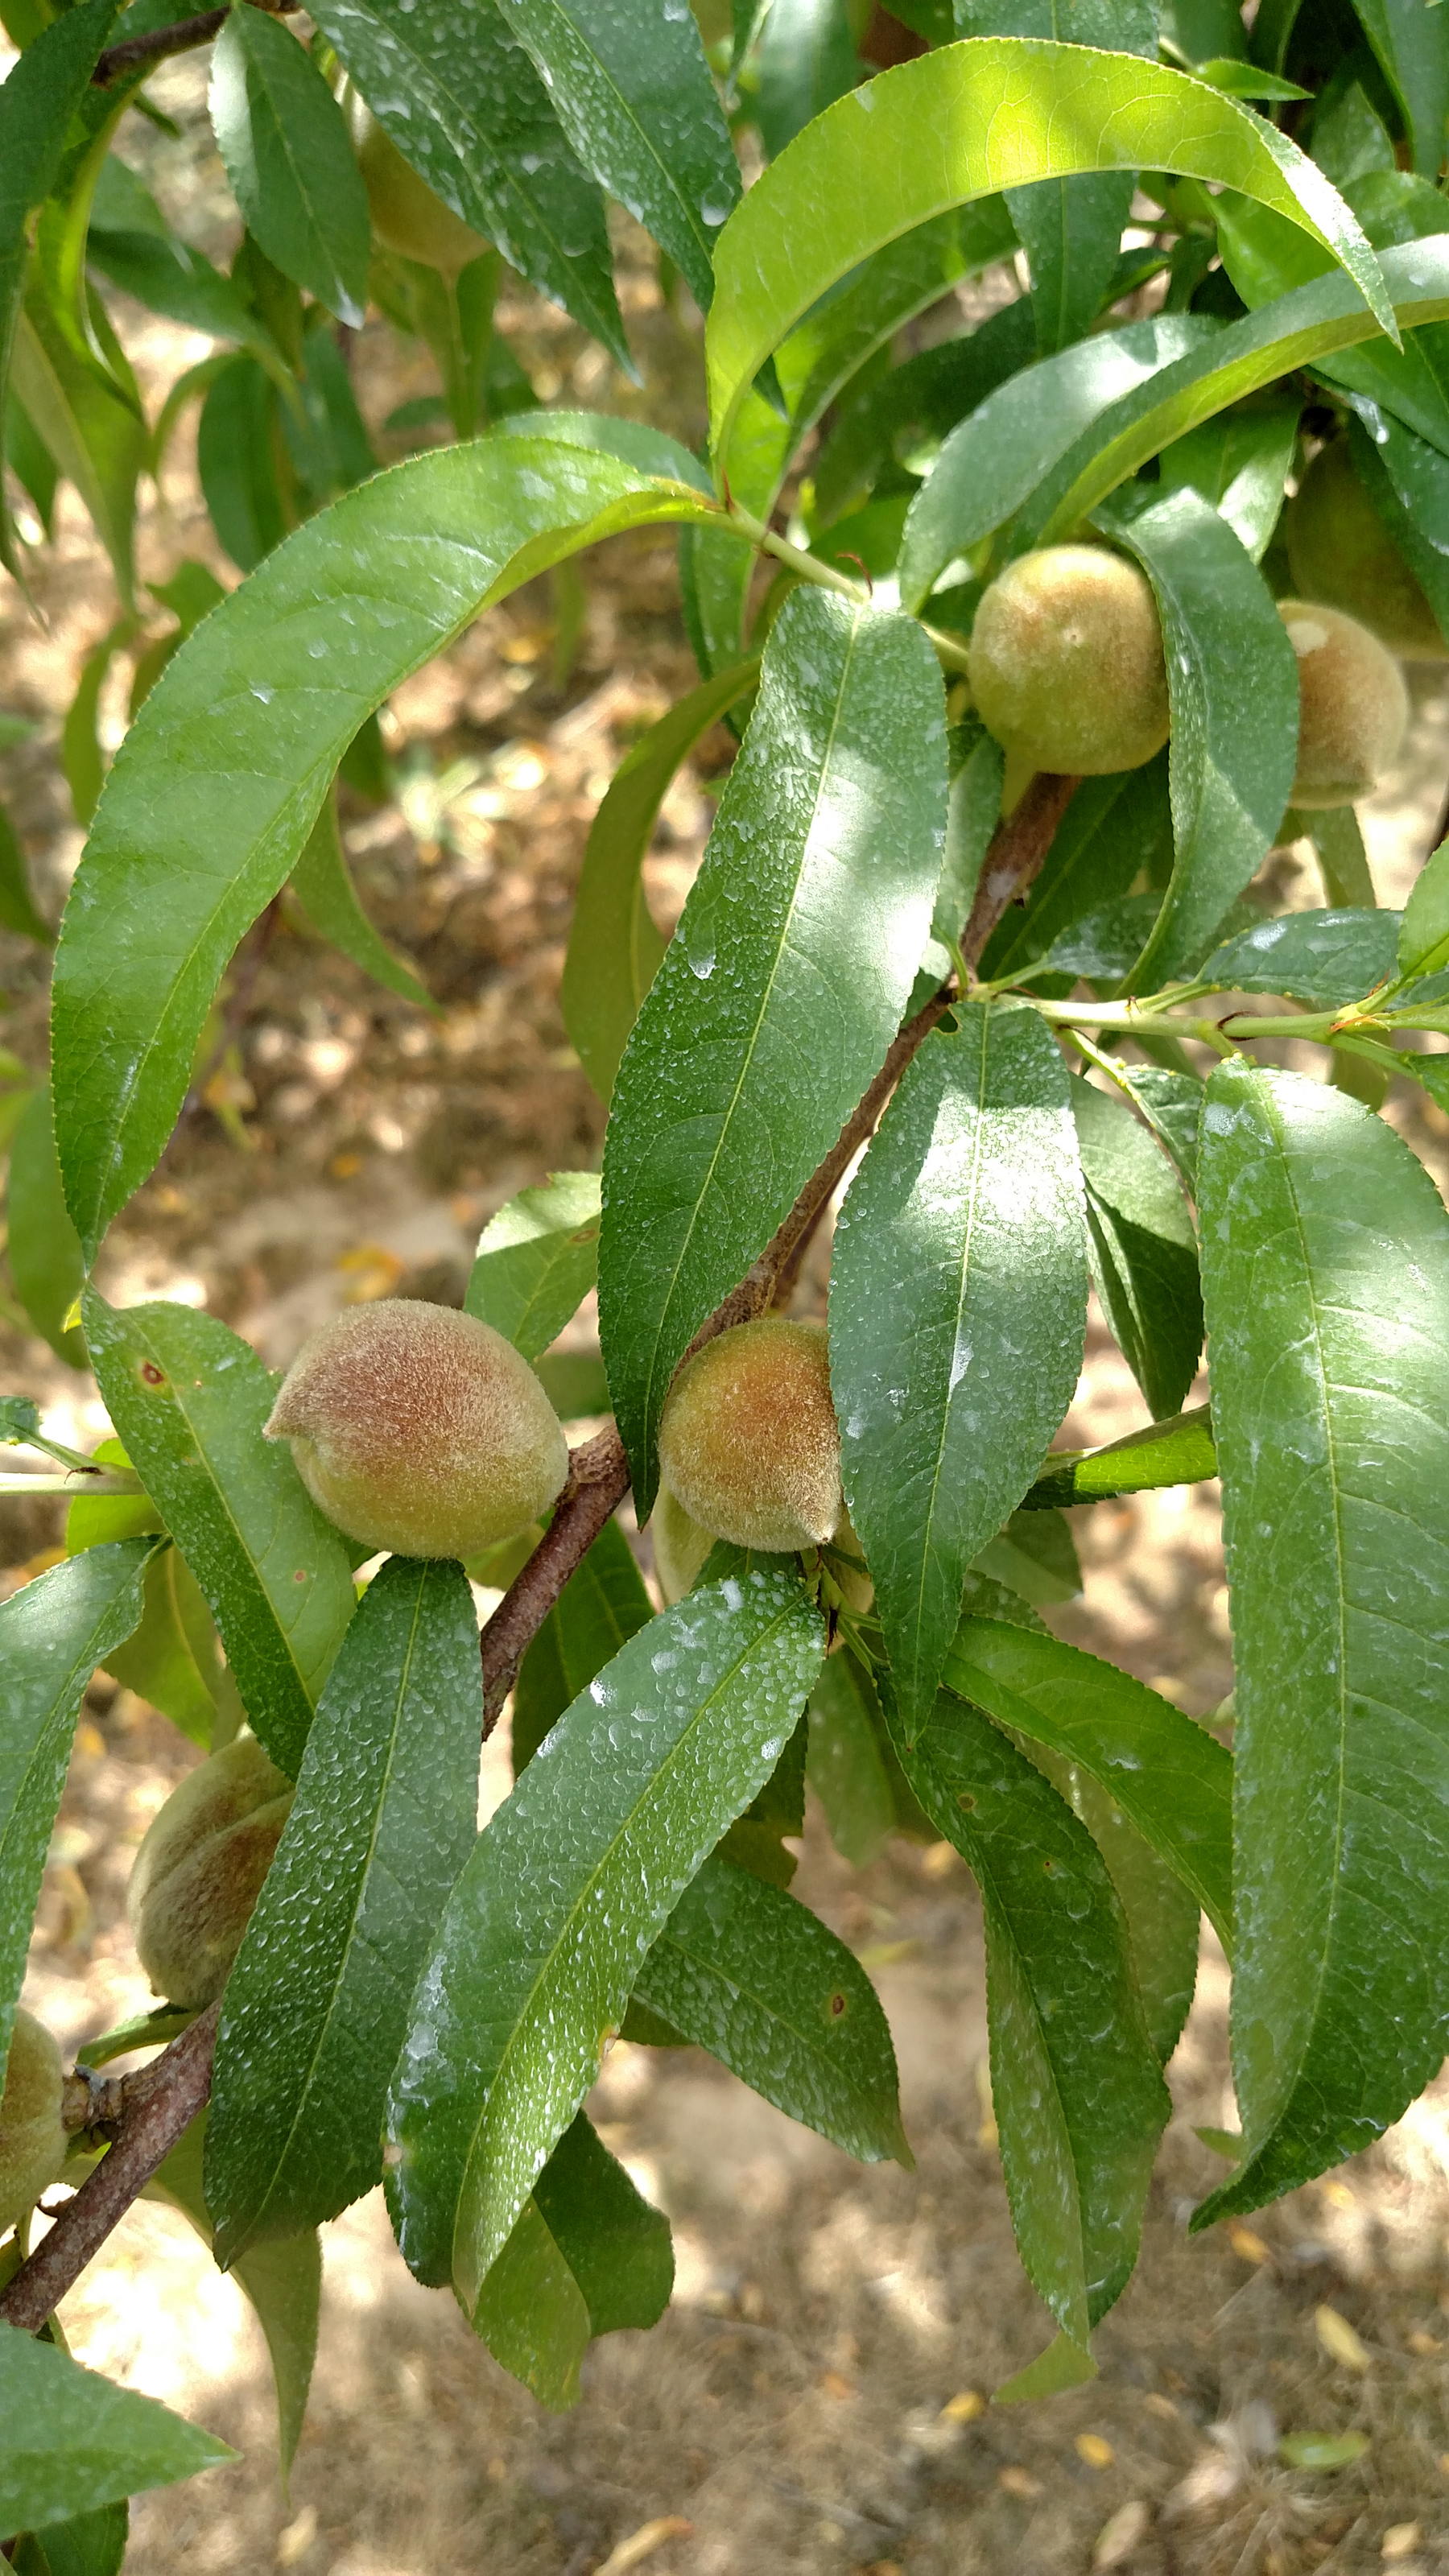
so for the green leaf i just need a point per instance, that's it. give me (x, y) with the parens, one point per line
(1165, 1453)
(31, 462)
(806, 60)
(633, 93)
(85, 2544)
(44, 1250)
(1171, 1103)
(1075, 2082)
(236, 460)
(614, 948)
(219, 781)
(40, 95)
(475, 121)
(1408, 480)
(53, 1633)
(189, 1399)
(96, 437)
(80, 749)
(958, 1309)
(17, 904)
(955, 125)
(283, 2283)
(1035, 1556)
(1141, 1246)
(1239, 462)
(1326, 958)
(74, 2441)
(1232, 683)
(537, 1260)
(602, 1604)
(322, 882)
(1168, 1777)
(288, 156)
(918, 402)
(746, 1971)
(568, 1886)
(1423, 943)
(19, 1417)
(1113, 830)
(171, 1662)
(1002, 450)
(1327, 1293)
(1412, 50)
(316, 2006)
(1163, 1916)
(169, 277)
(1063, 2365)
(574, 1383)
(144, 2030)
(846, 1765)
(782, 988)
(586, 2256)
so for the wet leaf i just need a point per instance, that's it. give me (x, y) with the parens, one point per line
(536, 1262)
(587, 2255)
(74, 2441)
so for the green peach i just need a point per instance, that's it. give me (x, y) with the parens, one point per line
(33, 2137)
(749, 1443)
(199, 1871)
(1353, 707)
(1343, 555)
(1066, 662)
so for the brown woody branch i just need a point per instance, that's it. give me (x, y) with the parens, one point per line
(182, 38)
(157, 2104)
(150, 2110)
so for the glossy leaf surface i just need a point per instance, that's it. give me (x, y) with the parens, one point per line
(781, 989)
(958, 1310)
(1324, 1275)
(383, 1820)
(74, 2440)
(846, 1764)
(1114, 829)
(1142, 1248)
(189, 1399)
(602, 1604)
(288, 156)
(567, 1888)
(53, 1633)
(536, 1262)
(1166, 1453)
(43, 1248)
(746, 1971)
(1326, 958)
(221, 778)
(587, 2255)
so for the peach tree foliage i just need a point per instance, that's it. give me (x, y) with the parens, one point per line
(1015, 1011)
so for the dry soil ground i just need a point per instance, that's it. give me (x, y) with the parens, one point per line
(813, 2397)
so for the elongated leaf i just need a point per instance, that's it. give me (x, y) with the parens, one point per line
(168, 276)
(80, 750)
(38, 99)
(317, 2003)
(43, 1247)
(1113, 829)
(783, 986)
(806, 59)
(1163, 1916)
(1408, 480)
(74, 2441)
(1412, 49)
(1326, 958)
(476, 122)
(614, 948)
(94, 435)
(53, 1633)
(746, 1971)
(1327, 1293)
(1003, 449)
(17, 904)
(1233, 685)
(1075, 2082)
(537, 1260)
(283, 2283)
(85, 2544)
(236, 462)
(171, 1661)
(633, 93)
(921, 399)
(568, 1886)
(1165, 1453)
(958, 1274)
(1142, 1248)
(221, 778)
(1170, 1778)
(602, 1604)
(586, 2256)
(189, 1399)
(1239, 463)
(1035, 1555)
(1423, 941)
(846, 1765)
(956, 124)
(323, 884)
(285, 144)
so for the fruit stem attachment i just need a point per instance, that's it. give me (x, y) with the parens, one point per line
(950, 649)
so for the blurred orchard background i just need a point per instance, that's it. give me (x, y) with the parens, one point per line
(815, 2398)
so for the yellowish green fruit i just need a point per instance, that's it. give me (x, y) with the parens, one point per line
(680, 1546)
(420, 1430)
(852, 1581)
(1352, 705)
(33, 2138)
(749, 1443)
(1343, 555)
(406, 216)
(1066, 662)
(199, 1871)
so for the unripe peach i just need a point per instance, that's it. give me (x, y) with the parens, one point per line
(1066, 662)
(33, 2136)
(680, 1546)
(1352, 705)
(420, 1430)
(199, 1871)
(406, 215)
(749, 1441)
(1342, 554)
